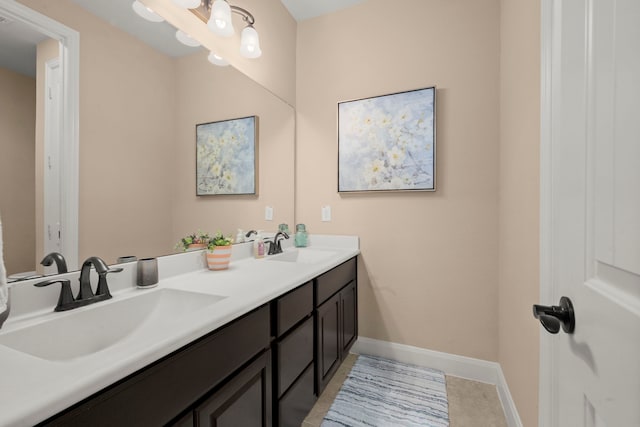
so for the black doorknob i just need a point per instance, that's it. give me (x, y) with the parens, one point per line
(552, 317)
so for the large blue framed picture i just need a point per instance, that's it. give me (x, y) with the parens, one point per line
(226, 157)
(388, 142)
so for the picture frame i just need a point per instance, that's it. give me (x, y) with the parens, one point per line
(227, 157)
(388, 142)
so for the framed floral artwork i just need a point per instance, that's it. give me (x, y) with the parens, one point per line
(388, 142)
(226, 157)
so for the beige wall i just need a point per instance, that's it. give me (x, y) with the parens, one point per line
(230, 94)
(467, 273)
(17, 182)
(519, 201)
(126, 144)
(429, 266)
(125, 140)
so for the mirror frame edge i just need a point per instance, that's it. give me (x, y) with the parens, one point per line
(69, 41)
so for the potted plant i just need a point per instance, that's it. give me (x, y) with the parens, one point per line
(194, 241)
(219, 252)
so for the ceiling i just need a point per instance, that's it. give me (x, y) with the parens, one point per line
(307, 9)
(18, 41)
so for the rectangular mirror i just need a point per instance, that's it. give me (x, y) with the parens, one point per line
(139, 107)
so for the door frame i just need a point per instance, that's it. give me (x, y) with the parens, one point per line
(69, 41)
(550, 54)
(51, 200)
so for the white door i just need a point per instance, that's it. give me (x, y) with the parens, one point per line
(590, 228)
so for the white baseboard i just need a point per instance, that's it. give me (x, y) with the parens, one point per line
(451, 364)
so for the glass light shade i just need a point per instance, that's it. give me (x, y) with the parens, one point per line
(220, 19)
(216, 59)
(146, 13)
(187, 4)
(250, 43)
(186, 39)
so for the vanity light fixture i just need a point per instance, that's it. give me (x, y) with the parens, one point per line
(146, 12)
(220, 19)
(250, 43)
(187, 4)
(216, 59)
(217, 15)
(186, 39)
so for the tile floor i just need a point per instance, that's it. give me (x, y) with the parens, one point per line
(471, 403)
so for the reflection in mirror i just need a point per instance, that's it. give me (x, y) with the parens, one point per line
(52, 132)
(17, 167)
(138, 110)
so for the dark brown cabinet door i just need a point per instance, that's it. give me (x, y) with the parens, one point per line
(349, 317)
(245, 401)
(186, 421)
(336, 331)
(328, 341)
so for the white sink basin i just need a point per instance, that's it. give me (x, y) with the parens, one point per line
(89, 329)
(303, 255)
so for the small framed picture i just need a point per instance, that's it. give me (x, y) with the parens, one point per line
(388, 142)
(226, 157)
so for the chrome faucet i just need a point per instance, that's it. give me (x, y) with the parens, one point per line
(85, 296)
(274, 246)
(56, 257)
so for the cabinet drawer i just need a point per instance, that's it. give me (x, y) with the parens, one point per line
(332, 281)
(295, 352)
(293, 307)
(296, 404)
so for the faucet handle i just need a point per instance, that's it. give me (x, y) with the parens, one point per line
(85, 292)
(103, 288)
(65, 300)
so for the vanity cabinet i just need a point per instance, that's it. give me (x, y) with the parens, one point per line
(168, 391)
(263, 369)
(336, 319)
(293, 348)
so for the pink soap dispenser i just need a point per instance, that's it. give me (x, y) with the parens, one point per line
(259, 246)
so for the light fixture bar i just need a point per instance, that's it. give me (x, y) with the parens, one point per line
(246, 15)
(204, 11)
(220, 24)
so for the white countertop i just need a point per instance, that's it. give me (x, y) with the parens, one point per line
(33, 389)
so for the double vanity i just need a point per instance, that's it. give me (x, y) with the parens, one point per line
(253, 345)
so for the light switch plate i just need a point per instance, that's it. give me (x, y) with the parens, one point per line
(268, 213)
(326, 213)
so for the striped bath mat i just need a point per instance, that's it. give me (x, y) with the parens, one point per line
(380, 392)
